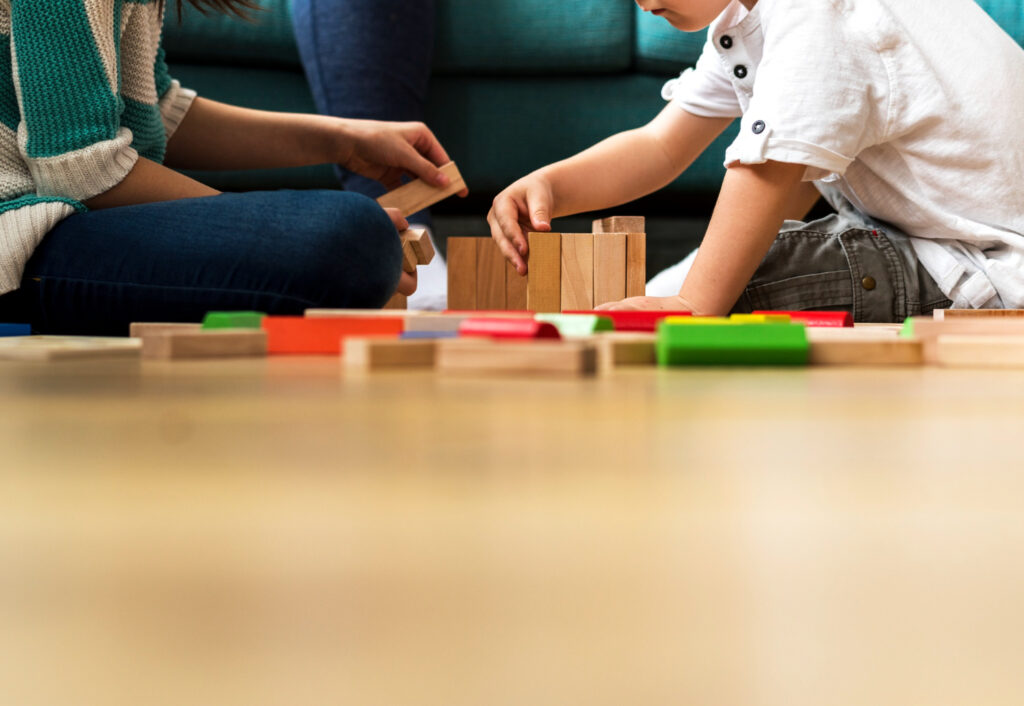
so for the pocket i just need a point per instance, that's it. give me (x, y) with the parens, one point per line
(822, 291)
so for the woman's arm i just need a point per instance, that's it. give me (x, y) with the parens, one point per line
(148, 182)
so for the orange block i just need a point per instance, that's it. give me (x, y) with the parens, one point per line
(302, 335)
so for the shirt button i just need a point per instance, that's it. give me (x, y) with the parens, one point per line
(758, 127)
(725, 41)
(868, 283)
(740, 71)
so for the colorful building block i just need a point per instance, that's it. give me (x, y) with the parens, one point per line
(15, 330)
(508, 328)
(688, 343)
(310, 336)
(635, 320)
(817, 318)
(578, 325)
(233, 319)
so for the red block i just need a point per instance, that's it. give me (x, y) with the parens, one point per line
(817, 318)
(508, 328)
(309, 336)
(634, 320)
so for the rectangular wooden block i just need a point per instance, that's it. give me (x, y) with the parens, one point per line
(948, 314)
(927, 330)
(609, 268)
(515, 289)
(371, 353)
(462, 273)
(621, 224)
(418, 194)
(15, 330)
(544, 358)
(365, 313)
(211, 343)
(980, 351)
(626, 349)
(544, 279)
(636, 264)
(891, 351)
(490, 276)
(577, 271)
(52, 348)
(142, 328)
(309, 336)
(418, 242)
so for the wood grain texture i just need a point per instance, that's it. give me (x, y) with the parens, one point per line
(891, 351)
(462, 273)
(490, 276)
(52, 348)
(418, 240)
(544, 358)
(636, 264)
(515, 289)
(927, 330)
(372, 353)
(214, 343)
(418, 194)
(620, 224)
(609, 268)
(949, 314)
(577, 271)
(143, 328)
(544, 278)
(979, 351)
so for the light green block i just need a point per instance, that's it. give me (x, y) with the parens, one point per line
(577, 325)
(233, 319)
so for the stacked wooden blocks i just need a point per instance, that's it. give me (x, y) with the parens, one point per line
(567, 271)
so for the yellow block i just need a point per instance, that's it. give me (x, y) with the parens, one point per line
(760, 318)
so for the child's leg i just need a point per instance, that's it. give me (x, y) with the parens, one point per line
(276, 251)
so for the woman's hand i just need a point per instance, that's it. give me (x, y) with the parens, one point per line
(387, 151)
(407, 282)
(676, 303)
(523, 207)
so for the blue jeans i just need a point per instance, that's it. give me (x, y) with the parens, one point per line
(366, 59)
(275, 251)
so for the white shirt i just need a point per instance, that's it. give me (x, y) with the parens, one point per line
(913, 108)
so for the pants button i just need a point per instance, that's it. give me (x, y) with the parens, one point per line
(868, 283)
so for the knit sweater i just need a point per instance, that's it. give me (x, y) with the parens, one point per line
(84, 91)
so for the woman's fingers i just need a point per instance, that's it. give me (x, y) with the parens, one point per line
(407, 283)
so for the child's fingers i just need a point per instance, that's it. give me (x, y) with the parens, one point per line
(538, 204)
(504, 220)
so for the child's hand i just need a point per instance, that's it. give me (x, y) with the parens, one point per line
(523, 207)
(676, 303)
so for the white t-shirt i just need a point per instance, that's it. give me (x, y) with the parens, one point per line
(913, 108)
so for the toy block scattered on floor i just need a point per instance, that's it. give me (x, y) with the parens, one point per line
(927, 330)
(578, 325)
(141, 329)
(372, 353)
(233, 319)
(980, 351)
(688, 343)
(450, 320)
(861, 351)
(522, 328)
(418, 194)
(54, 348)
(544, 278)
(480, 356)
(462, 273)
(948, 314)
(635, 320)
(208, 343)
(616, 349)
(323, 336)
(15, 330)
(817, 318)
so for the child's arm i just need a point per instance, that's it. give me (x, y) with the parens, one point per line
(754, 201)
(621, 168)
(218, 136)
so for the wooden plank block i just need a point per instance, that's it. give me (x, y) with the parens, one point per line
(140, 329)
(825, 334)
(543, 358)
(418, 194)
(620, 224)
(301, 335)
(838, 319)
(890, 351)
(418, 240)
(609, 268)
(490, 276)
(636, 264)
(626, 349)
(508, 328)
(577, 271)
(927, 330)
(544, 279)
(462, 273)
(53, 348)
(515, 289)
(372, 353)
(948, 314)
(408, 258)
(980, 351)
(211, 343)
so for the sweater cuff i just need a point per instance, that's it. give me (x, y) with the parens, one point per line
(84, 173)
(174, 104)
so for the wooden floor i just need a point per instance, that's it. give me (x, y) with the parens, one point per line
(276, 532)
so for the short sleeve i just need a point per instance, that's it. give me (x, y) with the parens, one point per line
(820, 93)
(174, 99)
(704, 90)
(66, 77)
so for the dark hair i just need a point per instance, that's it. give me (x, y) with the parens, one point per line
(238, 8)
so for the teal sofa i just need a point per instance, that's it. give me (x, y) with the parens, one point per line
(516, 84)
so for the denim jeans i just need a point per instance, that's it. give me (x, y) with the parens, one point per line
(275, 251)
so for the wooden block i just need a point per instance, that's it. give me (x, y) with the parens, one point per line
(626, 349)
(838, 319)
(397, 302)
(927, 330)
(890, 351)
(418, 240)
(621, 224)
(211, 343)
(372, 353)
(408, 258)
(980, 351)
(724, 343)
(577, 271)
(308, 336)
(544, 279)
(508, 328)
(609, 268)
(826, 334)
(515, 288)
(544, 358)
(947, 314)
(490, 276)
(450, 321)
(635, 320)
(233, 319)
(636, 264)
(53, 348)
(462, 273)
(15, 330)
(418, 194)
(142, 328)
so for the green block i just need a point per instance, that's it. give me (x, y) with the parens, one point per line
(908, 328)
(233, 319)
(577, 325)
(743, 344)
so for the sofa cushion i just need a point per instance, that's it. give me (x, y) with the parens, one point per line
(663, 49)
(221, 39)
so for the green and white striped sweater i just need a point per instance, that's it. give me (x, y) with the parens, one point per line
(84, 91)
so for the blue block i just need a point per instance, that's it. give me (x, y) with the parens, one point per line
(430, 334)
(15, 329)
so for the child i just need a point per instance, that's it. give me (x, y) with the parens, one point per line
(97, 229)
(905, 114)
